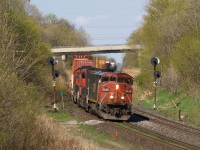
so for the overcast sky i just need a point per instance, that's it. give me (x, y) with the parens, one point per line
(106, 21)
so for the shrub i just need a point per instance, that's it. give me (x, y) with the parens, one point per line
(170, 80)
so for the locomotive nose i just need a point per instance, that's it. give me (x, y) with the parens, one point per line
(120, 95)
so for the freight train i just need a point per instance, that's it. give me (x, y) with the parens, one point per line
(107, 93)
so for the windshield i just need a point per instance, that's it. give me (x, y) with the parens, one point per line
(129, 81)
(105, 79)
(112, 78)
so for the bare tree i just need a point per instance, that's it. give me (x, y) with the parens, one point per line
(170, 79)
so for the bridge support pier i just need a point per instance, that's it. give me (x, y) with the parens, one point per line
(64, 57)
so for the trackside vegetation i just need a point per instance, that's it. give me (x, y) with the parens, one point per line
(25, 78)
(170, 31)
(92, 133)
(169, 105)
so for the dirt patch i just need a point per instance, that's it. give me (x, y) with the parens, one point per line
(132, 72)
(115, 144)
(70, 124)
(92, 122)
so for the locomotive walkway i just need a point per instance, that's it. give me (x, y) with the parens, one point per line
(95, 49)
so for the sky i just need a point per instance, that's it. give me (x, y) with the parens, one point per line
(106, 21)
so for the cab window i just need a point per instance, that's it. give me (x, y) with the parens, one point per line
(83, 75)
(129, 81)
(120, 80)
(112, 78)
(105, 79)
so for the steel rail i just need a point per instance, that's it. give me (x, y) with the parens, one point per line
(174, 124)
(157, 136)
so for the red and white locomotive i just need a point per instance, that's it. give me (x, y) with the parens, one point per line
(109, 94)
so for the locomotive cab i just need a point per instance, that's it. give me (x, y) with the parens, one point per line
(116, 88)
(115, 94)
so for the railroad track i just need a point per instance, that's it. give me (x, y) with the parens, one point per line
(176, 144)
(132, 129)
(185, 134)
(165, 121)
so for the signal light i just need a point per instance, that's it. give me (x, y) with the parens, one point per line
(156, 74)
(155, 61)
(55, 73)
(52, 60)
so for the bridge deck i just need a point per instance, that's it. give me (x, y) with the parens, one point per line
(95, 49)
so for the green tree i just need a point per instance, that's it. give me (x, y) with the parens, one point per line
(22, 56)
(171, 32)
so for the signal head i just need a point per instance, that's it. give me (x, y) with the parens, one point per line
(157, 74)
(52, 60)
(155, 61)
(55, 73)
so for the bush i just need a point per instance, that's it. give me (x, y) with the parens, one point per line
(170, 80)
(20, 104)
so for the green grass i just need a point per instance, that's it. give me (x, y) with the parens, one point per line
(189, 107)
(97, 135)
(59, 116)
(90, 132)
(105, 139)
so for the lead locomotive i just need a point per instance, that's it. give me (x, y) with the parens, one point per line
(108, 94)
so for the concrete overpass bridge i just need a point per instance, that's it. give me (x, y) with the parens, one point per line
(95, 49)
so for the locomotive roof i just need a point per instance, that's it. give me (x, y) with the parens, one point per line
(99, 71)
(84, 67)
(118, 73)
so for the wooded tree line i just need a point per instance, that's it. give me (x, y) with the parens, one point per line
(25, 77)
(58, 31)
(171, 31)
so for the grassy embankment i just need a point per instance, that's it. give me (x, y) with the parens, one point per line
(169, 105)
(88, 132)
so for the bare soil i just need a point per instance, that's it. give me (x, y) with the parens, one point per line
(132, 72)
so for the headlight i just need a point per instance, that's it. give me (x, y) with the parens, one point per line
(122, 97)
(105, 90)
(128, 91)
(117, 86)
(111, 97)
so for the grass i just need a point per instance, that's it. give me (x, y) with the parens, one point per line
(104, 138)
(97, 135)
(91, 133)
(59, 116)
(165, 105)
